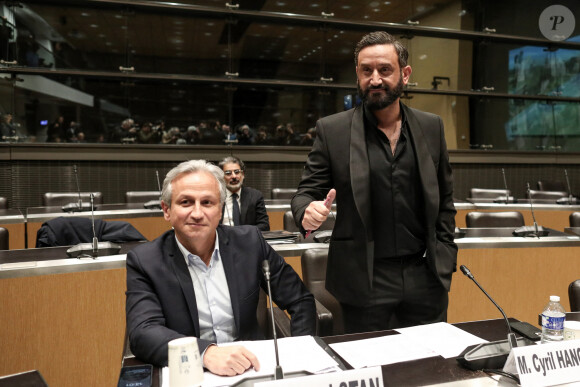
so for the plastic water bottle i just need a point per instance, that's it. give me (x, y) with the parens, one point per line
(553, 318)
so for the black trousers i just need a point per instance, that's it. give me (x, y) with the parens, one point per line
(405, 293)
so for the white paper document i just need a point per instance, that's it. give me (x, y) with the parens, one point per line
(444, 339)
(296, 354)
(412, 343)
(380, 350)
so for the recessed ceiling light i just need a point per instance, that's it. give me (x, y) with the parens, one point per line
(117, 16)
(280, 3)
(108, 44)
(85, 14)
(387, 3)
(346, 7)
(210, 24)
(208, 34)
(94, 26)
(314, 5)
(374, 4)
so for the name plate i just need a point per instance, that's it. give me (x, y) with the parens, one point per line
(546, 364)
(364, 377)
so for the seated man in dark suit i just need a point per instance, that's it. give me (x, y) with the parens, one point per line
(203, 279)
(251, 208)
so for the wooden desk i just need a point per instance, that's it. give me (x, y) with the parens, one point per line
(74, 310)
(149, 222)
(14, 222)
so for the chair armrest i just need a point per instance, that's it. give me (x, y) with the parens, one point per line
(282, 323)
(324, 320)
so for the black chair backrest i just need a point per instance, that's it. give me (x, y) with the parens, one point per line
(314, 262)
(494, 219)
(141, 196)
(486, 193)
(575, 219)
(63, 198)
(290, 225)
(283, 193)
(4, 239)
(66, 231)
(555, 195)
(3, 203)
(574, 295)
(551, 185)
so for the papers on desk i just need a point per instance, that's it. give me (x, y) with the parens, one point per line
(296, 354)
(411, 344)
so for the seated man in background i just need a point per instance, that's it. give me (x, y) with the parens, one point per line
(202, 279)
(249, 206)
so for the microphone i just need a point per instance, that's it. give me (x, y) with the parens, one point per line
(79, 206)
(489, 355)
(154, 204)
(93, 249)
(279, 374)
(534, 230)
(570, 199)
(507, 199)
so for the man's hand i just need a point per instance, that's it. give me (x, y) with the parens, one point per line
(229, 360)
(317, 212)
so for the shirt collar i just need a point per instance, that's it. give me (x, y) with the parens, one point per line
(370, 117)
(230, 193)
(186, 253)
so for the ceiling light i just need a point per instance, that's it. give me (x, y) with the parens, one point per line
(117, 16)
(346, 7)
(94, 26)
(85, 14)
(374, 4)
(387, 3)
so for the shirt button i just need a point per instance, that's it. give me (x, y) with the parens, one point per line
(217, 328)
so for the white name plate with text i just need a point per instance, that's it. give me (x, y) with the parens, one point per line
(364, 377)
(546, 364)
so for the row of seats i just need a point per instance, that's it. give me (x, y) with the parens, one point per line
(50, 199)
(485, 193)
(506, 219)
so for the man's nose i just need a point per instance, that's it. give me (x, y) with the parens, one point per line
(196, 211)
(376, 78)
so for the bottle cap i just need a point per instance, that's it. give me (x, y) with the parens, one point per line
(555, 298)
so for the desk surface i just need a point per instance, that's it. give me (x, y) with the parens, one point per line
(428, 371)
(51, 260)
(11, 216)
(109, 211)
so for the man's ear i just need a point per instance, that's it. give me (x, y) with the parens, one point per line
(406, 73)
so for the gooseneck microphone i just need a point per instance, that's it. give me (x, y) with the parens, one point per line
(279, 374)
(511, 336)
(534, 230)
(95, 240)
(92, 250)
(154, 204)
(571, 198)
(79, 206)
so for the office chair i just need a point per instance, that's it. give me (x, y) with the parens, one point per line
(487, 193)
(575, 219)
(314, 263)
(63, 198)
(3, 203)
(494, 219)
(283, 193)
(4, 239)
(574, 295)
(140, 197)
(547, 195)
(66, 231)
(551, 185)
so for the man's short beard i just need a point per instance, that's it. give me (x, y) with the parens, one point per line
(379, 101)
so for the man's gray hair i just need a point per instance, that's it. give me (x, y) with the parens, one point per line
(380, 38)
(193, 166)
(232, 160)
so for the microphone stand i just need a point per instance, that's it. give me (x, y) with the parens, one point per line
(154, 204)
(507, 192)
(279, 374)
(95, 240)
(510, 336)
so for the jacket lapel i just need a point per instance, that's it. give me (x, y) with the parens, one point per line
(181, 271)
(228, 257)
(426, 167)
(244, 205)
(360, 180)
